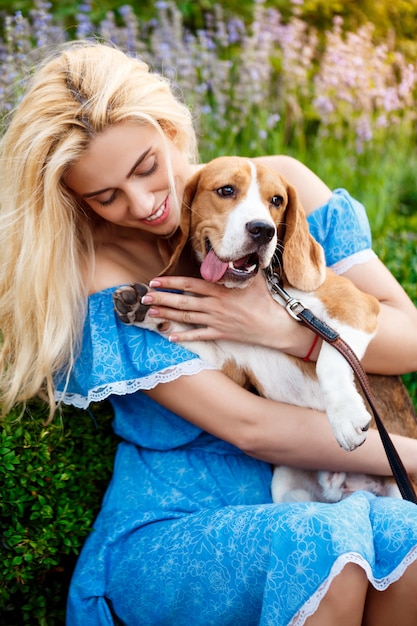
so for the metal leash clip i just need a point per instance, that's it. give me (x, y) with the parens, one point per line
(294, 307)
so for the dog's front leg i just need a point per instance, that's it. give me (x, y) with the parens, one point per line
(345, 408)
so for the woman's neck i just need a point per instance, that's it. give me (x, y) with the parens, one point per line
(125, 256)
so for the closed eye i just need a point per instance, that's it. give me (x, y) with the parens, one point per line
(140, 171)
(146, 165)
(109, 201)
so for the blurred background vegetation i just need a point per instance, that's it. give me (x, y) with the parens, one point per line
(332, 83)
(386, 15)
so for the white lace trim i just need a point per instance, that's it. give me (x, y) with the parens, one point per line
(354, 259)
(313, 602)
(124, 387)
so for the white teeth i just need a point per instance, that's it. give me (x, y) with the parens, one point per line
(247, 270)
(155, 216)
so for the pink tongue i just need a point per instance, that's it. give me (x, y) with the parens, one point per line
(212, 269)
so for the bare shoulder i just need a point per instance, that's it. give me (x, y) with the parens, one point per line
(312, 191)
(110, 269)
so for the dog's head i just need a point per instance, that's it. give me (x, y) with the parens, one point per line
(241, 217)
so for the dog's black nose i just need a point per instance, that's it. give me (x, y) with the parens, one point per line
(262, 232)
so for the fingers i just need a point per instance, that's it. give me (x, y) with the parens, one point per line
(231, 314)
(176, 307)
(195, 334)
(180, 301)
(197, 286)
(183, 308)
(187, 309)
(197, 307)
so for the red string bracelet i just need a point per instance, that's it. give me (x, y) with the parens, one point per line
(310, 352)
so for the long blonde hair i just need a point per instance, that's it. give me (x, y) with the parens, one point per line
(46, 242)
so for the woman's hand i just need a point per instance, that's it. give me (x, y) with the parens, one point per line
(248, 315)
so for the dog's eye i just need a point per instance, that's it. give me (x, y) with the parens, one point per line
(277, 201)
(226, 191)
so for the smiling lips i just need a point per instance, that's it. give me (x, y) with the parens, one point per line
(160, 215)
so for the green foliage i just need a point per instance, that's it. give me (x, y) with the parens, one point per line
(52, 480)
(396, 245)
(382, 176)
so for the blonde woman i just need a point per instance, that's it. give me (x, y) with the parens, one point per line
(94, 163)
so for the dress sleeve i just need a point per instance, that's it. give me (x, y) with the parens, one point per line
(341, 226)
(117, 359)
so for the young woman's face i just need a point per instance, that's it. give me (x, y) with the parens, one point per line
(123, 177)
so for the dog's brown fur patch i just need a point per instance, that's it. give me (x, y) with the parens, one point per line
(345, 302)
(242, 377)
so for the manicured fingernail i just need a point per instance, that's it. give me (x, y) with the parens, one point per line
(155, 283)
(153, 312)
(146, 299)
(173, 338)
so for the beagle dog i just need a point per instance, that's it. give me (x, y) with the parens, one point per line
(241, 217)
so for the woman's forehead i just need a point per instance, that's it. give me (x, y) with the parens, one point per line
(112, 154)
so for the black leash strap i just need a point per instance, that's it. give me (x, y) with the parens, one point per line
(303, 315)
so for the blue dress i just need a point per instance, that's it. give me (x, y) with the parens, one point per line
(187, 533)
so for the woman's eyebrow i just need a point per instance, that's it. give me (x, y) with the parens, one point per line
(138, 161)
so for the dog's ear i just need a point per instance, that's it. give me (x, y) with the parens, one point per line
(302, 258)
(171, 248)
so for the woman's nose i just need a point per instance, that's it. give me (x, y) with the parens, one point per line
(141, 204)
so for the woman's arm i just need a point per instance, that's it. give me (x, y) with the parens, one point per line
(272, 431)
(394, 348)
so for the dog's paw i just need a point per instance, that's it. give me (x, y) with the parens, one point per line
(378, 485)
(350, 438)
(350, 424)
(128, 305)
(333, 485)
